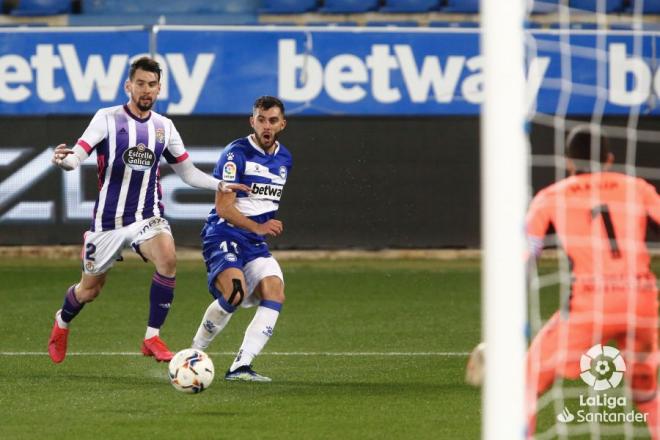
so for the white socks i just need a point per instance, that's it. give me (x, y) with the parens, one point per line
(60, 322)
(257, 334)
(151, 332)
(214, 320)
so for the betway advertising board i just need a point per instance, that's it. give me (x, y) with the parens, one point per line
(356, 71)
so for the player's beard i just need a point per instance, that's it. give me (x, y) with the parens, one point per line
(262, 142)
(144, 107)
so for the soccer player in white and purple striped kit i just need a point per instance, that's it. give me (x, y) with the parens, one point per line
(129, 141)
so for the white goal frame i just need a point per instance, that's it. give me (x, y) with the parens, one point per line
(504, 196)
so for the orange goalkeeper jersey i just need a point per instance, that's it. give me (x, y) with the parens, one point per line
(600, 220)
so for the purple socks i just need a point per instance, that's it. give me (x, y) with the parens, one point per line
(161, 296)
(71, 306)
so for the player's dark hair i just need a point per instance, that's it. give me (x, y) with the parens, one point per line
(266, 102)
(146, 64)
(579, 144)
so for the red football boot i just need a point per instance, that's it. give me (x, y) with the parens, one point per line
(156, 347)
(57, 343)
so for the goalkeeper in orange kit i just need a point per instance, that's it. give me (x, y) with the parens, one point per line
(600, 220)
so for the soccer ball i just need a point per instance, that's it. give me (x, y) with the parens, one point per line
(191, 371)
(474, 373)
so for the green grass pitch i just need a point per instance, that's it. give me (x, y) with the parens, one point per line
(364, 349)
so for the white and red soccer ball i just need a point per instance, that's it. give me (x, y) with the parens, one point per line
(191, 371)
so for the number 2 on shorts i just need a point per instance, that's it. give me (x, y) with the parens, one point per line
(90, 250)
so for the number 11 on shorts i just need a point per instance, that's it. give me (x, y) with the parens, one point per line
(225, 248)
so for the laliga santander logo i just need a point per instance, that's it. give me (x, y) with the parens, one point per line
(602, 367)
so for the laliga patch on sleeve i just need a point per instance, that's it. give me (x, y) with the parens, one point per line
(229, 171)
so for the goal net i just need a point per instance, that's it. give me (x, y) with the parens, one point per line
(593, 64)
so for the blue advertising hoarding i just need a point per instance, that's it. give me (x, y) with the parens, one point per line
(590, 72)
(54, 71)
(348, 71)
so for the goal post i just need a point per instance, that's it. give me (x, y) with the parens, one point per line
(504, 196)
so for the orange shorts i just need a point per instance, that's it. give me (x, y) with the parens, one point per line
(606, 315)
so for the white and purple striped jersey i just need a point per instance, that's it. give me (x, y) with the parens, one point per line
(128, 151)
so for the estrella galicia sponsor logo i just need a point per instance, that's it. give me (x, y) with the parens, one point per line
(139, 158)
(602, 368)
(267, 191)
(231, 257)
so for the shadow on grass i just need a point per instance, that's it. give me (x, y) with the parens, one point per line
(210, 413)
(291, 387)
(97, 379)
(192, 413)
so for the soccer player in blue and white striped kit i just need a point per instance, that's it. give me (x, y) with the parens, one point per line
(240, 268)
(129, 141)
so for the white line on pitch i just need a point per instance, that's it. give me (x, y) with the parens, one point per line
(274, 353)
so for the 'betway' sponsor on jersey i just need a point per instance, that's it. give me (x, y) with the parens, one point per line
(348, 78)
(268, 191)
(86, 76)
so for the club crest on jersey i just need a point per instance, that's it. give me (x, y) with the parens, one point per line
(160, 135)
(229, 171)
(283, 172)
(139, 158)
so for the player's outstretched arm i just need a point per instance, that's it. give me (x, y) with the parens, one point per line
(232, 187)
(68, 158)
(196, 178)
(224, 206)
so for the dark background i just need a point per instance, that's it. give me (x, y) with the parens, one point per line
(369, 182)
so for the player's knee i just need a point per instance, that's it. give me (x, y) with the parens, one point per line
(277, 296)
(643, 396)
(236, 293)
(273, 291)
(644, 382)
(167, 265)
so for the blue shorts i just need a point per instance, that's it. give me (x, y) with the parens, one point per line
(224, 251)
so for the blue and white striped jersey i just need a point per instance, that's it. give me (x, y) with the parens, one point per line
(243, 161)
(128, 151)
